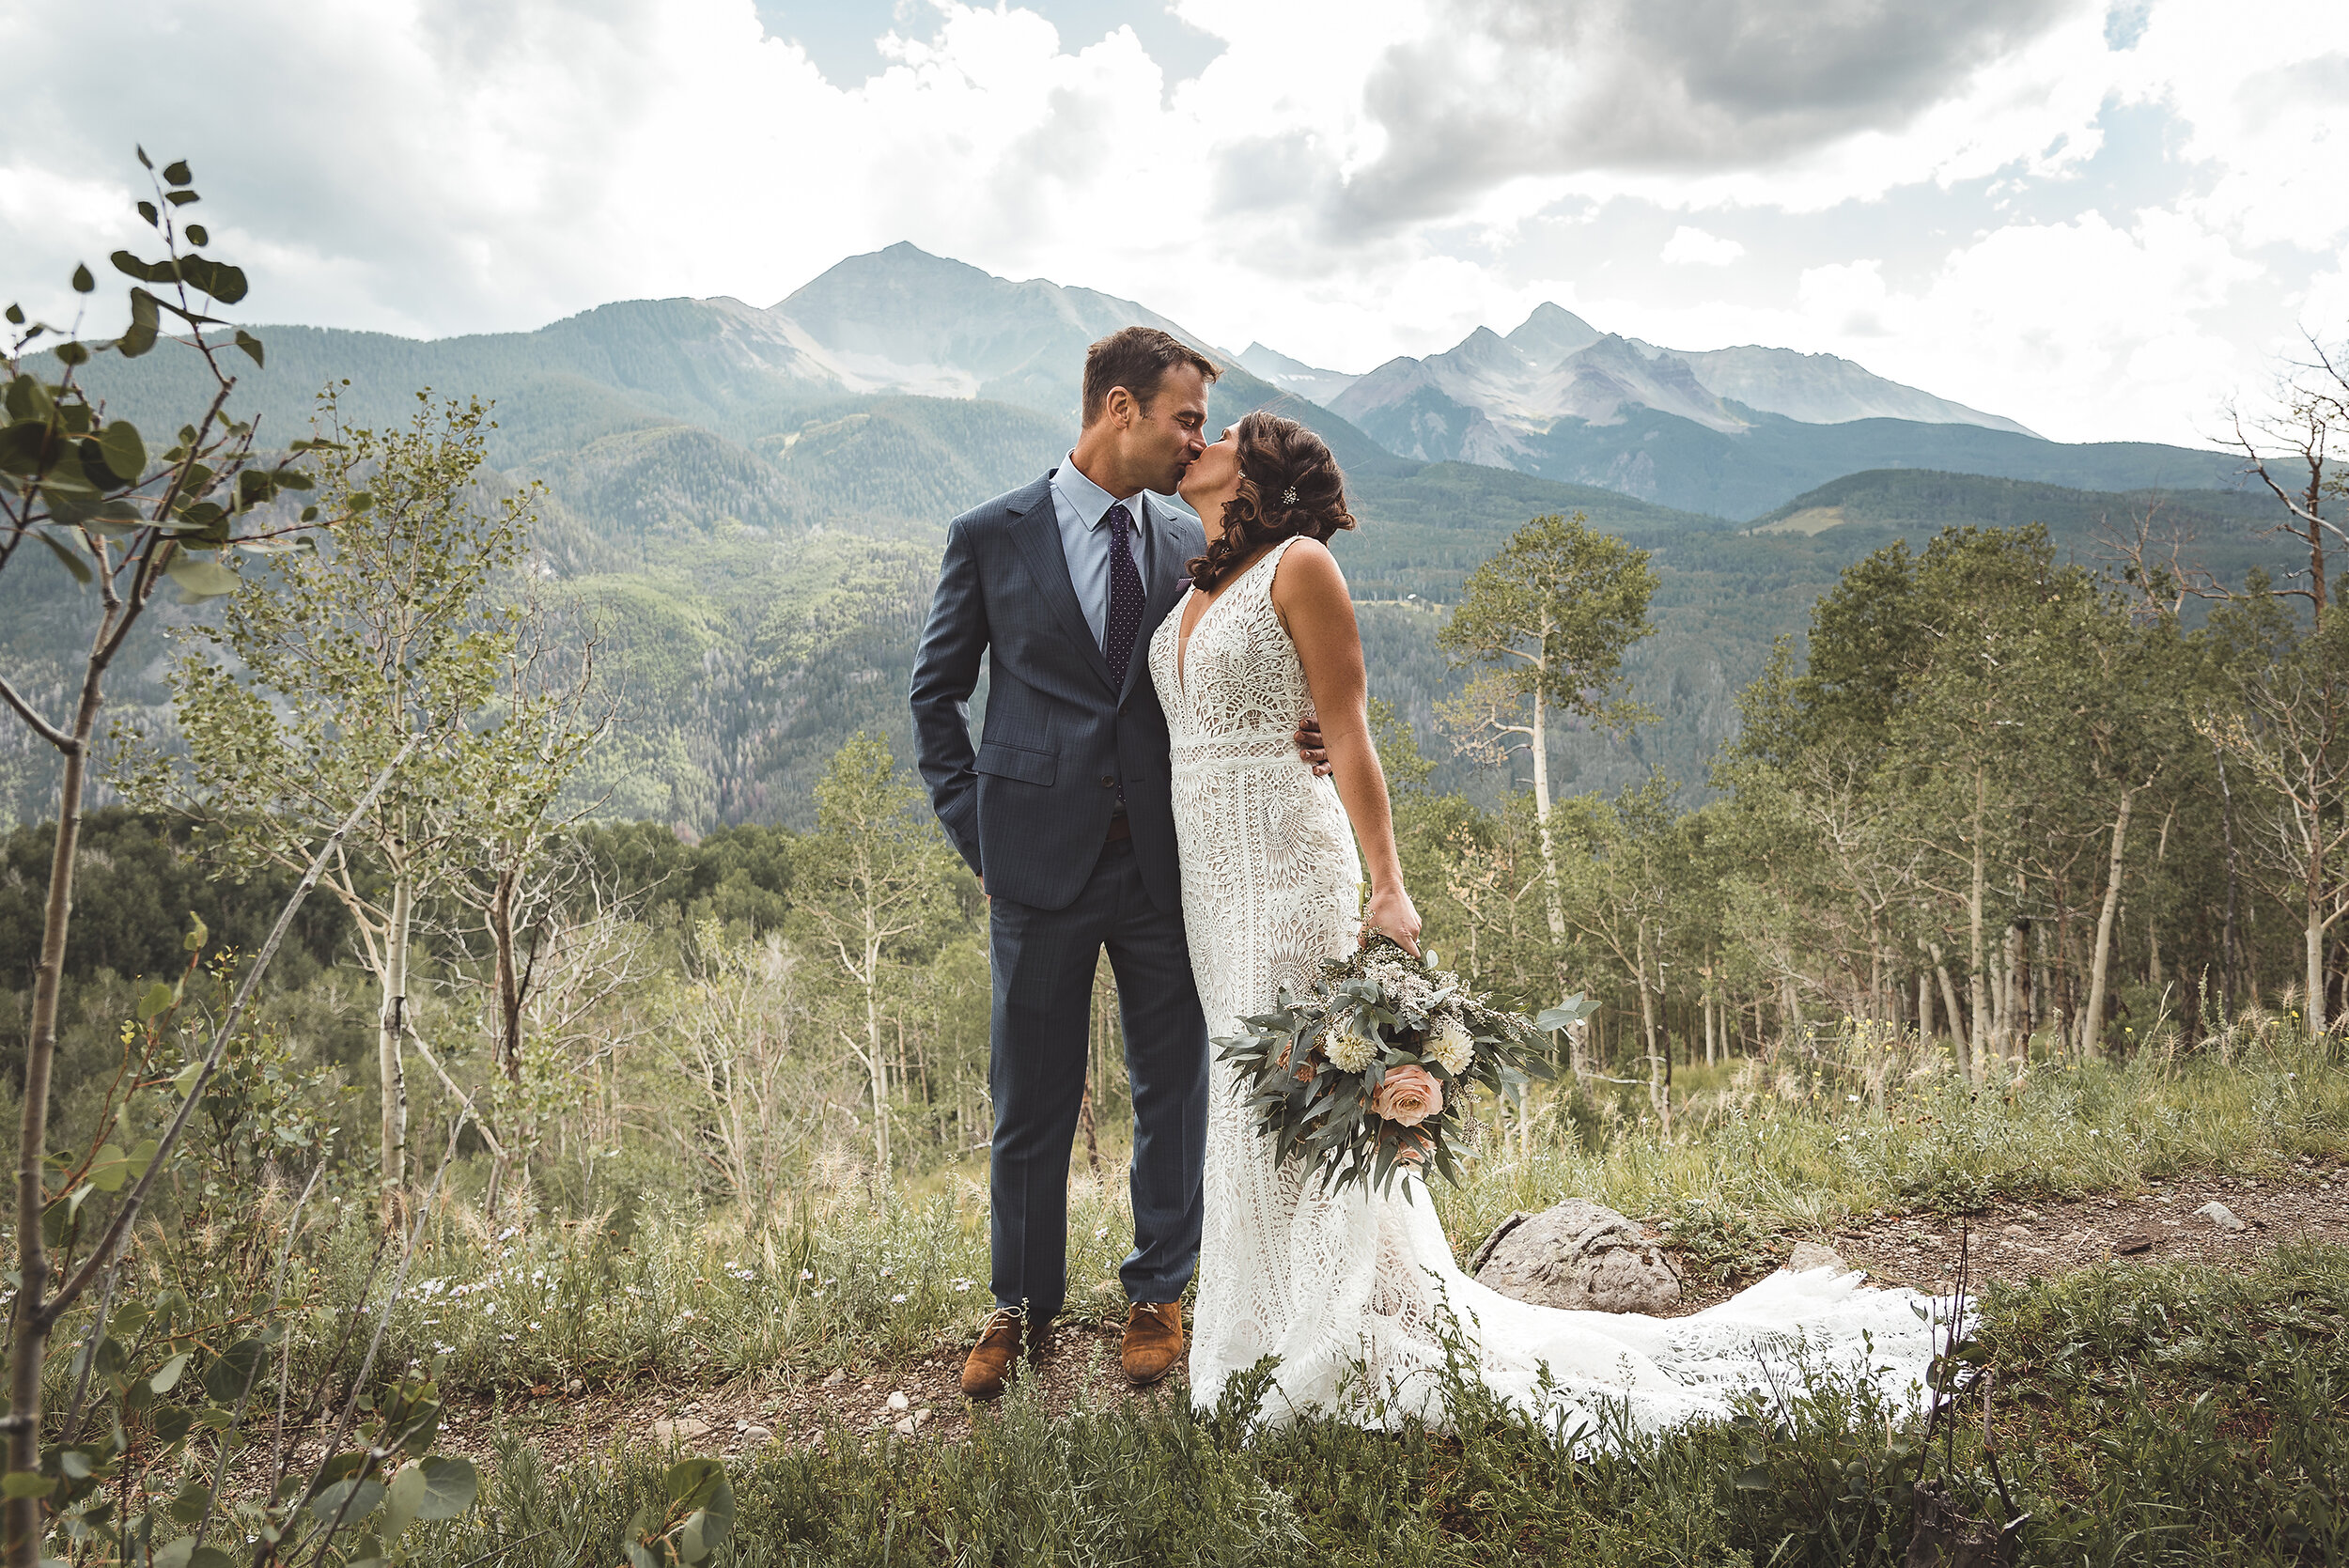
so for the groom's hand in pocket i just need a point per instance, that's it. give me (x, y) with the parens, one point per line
(1309, 747)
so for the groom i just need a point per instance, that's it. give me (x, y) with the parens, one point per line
(1064, 812)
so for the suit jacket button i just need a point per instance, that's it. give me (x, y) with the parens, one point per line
(1108, 783)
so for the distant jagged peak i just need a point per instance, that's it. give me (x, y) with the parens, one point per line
(1552, 332)
(1309, 382)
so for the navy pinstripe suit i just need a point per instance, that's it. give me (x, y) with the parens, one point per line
(1030, 808)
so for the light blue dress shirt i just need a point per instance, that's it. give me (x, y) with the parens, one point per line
(1081, 505)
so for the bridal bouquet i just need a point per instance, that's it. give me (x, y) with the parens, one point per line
(1369, 1073)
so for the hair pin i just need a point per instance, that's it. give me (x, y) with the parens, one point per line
(1288, 497)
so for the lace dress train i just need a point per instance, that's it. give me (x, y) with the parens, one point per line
(1350, 1291)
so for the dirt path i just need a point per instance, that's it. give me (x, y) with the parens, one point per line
(2011, 1242)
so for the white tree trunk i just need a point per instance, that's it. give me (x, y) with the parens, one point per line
(1977, 1036)
(387, 1043)
(1557, 905)
(2092, 1018)
(2315, 1008)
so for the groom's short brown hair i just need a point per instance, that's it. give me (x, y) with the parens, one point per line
(1137, 359)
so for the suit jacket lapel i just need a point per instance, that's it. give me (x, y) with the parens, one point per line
(1038, 533)
(1167, 581)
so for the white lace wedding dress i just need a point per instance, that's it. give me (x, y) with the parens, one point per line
(1349, 1290)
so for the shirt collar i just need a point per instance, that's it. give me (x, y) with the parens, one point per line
(1091, 502)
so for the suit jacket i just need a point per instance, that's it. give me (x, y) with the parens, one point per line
(1030, 807)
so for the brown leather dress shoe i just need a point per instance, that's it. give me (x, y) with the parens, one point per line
(1154, 1341)
(988, 1368)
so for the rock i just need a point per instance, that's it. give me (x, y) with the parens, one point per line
(576, 1386)
(2221, 1216)
(675, 1434)
(2136, 1241)
(839, 1375)
(905, 1428)
(899, 1402)
(756, 1436)
(1809, 1255)
(2015, 1230)
(1577, 1255)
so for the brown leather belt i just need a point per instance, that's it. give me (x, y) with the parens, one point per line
(1119, 828)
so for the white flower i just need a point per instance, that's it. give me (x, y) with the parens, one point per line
(899, 1299)
(961, 1285)
(1348, 1050)
(1451, 1046)
(807, 1274)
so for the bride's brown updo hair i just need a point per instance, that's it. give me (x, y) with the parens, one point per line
(1289, 485)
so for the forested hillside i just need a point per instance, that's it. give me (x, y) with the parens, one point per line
(748, 503)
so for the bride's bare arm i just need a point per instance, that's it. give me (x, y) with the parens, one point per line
(1309, 593)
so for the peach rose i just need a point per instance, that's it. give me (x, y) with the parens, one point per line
(1406, 1097)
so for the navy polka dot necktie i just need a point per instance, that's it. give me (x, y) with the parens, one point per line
(1125, 619)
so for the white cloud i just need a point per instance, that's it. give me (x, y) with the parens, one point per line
(1348, 179)
(1693, 247)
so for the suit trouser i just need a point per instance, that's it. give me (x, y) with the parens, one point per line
(1044, 962)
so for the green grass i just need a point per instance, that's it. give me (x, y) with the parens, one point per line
(852, 1276)
(2144, 1415)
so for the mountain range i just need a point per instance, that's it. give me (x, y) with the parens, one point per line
(749, 500)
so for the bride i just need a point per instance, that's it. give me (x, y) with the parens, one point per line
(1353, 1291)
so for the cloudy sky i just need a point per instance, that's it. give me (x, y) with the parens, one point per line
(2102, 217)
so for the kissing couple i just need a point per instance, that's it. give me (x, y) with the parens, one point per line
(1177, 766)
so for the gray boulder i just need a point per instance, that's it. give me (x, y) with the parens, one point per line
(1577, 1255)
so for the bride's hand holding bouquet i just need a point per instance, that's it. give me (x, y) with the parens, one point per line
(1369, 1073)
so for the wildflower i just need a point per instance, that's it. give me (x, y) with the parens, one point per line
(807, 1274)
(1349, 1051)
(899, 1299)
(1451, 1046)
(961, 1286)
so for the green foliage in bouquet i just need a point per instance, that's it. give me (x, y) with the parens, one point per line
(1368, 1075)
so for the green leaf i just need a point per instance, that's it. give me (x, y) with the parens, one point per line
(451, 1485)
(177, 173)
(26, 1483)
(200, 578)
(73, 563)
(139, 336)
(167, 1376)
(250, 344)
(198, 934)
(402, 1499)
(73, 353)
(700, 1485)
(362, 1495)
(359, 500)
(109, 1169)
(125, 453)
(145, 161)
(16, 315)
(147, 211)
(159, 996)
(181, 198)
(83, 282)
(225, 1379)
(197, 236)
(131, 266)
